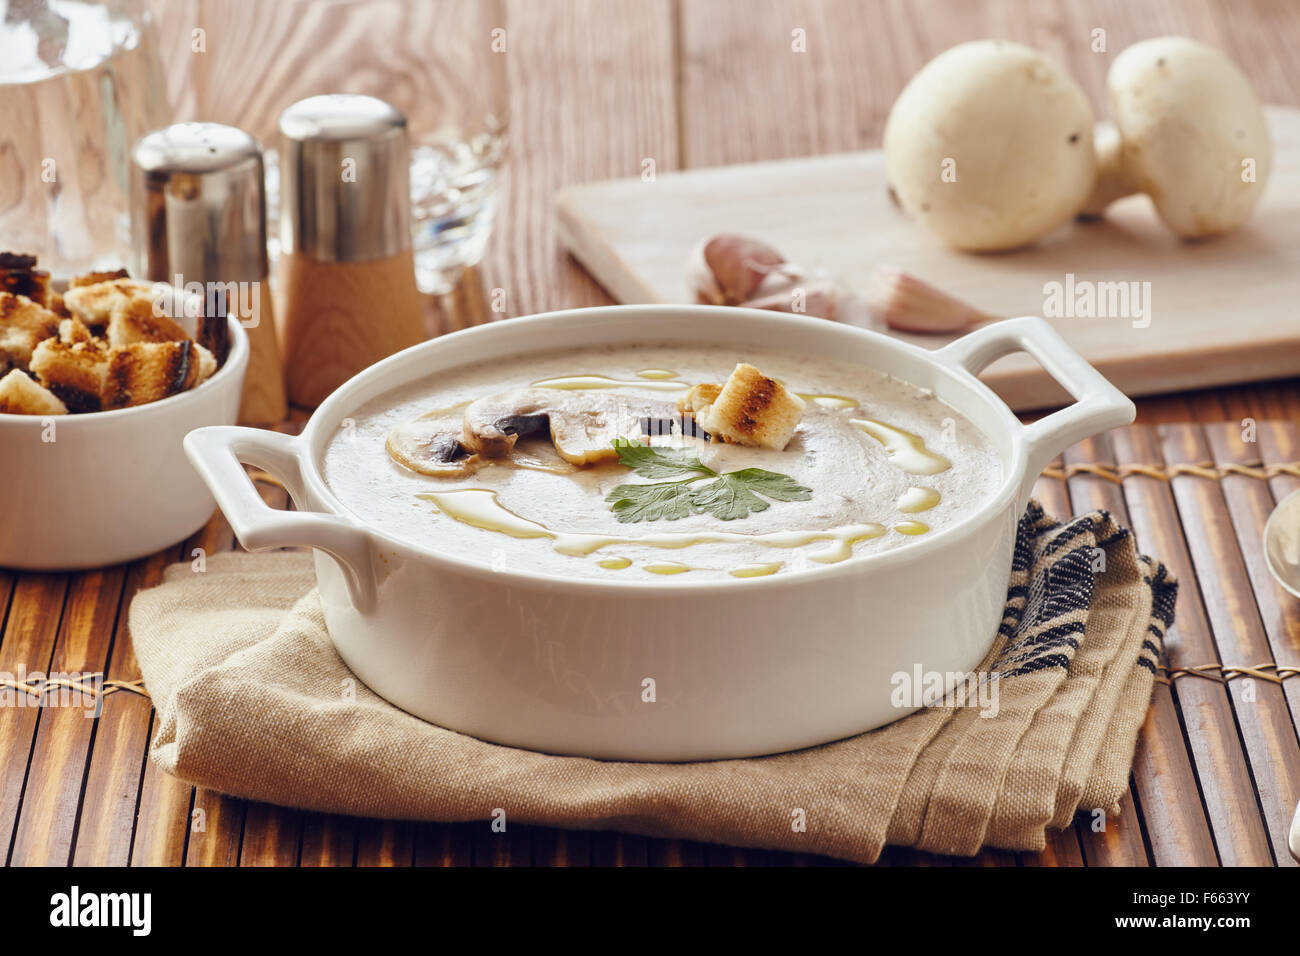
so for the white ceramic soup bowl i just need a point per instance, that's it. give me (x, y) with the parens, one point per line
(99, 488)
(737, 667)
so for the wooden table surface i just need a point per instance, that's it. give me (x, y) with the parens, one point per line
(597, 86)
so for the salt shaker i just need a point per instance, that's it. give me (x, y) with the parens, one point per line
(198, 220)
(346, 276)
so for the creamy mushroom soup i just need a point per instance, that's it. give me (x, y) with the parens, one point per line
(513, 464)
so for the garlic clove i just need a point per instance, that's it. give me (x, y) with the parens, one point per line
(727, 269)
(905, 303)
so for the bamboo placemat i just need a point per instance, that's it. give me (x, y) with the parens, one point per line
(1215, 780)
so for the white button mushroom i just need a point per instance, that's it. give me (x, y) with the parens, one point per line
(1189, 132)
(990, 146)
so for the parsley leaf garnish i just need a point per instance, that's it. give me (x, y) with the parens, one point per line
(666, 499)
(735, 494)
(649, 462)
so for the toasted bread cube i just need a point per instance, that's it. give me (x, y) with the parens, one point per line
(19, 276)
(73, 372)
(95, 278)
(20, 395)
(753, 409)
(17, 262)
(72, 331)
(94, 304)
(137, 320)
(698, 398)
(23, 323)
(145, 372)
(214, 335)
(207, 363)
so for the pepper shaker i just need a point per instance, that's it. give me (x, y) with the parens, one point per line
(346, 276)
(199, 220)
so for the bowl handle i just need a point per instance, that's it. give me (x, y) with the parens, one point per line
(1098, 405)
(219, 452)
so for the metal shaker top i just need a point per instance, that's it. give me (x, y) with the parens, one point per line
(345, 192)
(198, 204)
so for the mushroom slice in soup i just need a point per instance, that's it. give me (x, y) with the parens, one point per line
(431, 445)
(582, 425)
(492, 425)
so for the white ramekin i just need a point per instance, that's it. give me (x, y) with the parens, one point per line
(98, 488)
(739, 667)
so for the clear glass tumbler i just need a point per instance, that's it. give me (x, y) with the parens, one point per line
(79, 83)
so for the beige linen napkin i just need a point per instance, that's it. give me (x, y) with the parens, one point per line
(254, 702)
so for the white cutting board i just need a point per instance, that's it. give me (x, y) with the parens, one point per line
(1221, 310)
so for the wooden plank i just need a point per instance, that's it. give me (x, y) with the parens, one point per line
(747, 93)
(166, 819)
(1062, 850)
(555, 847)
(272, 836)
(174, 823)
(907, 856)
(1262, 714)
(466, 305)
(1261, 403)
(219, 841)
(1250, 501)
(751, 857)
(173, 23)
(445, 844)
(715, 854)
(680, 853)
(513, 847)
(25, 647)
(1175, 827)
(1120, 843)
(385, 843)
(260, 58)
(52, 798)
(1222, 771)
(592, 96)
(328, 840)
(7, 581)
(609, 848)
(990, 856)
(112, 785)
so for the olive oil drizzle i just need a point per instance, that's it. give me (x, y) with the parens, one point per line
(581, 382)
(668, 567)
(666, 380)
(832, 402)
(479, 508)
(904, 449)
(917, 499)
(756, 570)
(674, 567)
